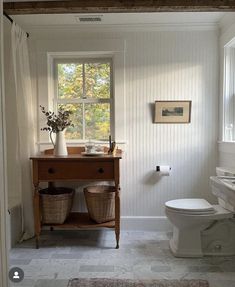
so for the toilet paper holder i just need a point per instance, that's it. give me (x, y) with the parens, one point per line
(158, 168)
(163, 169)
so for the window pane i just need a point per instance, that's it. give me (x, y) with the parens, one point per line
(97, 118)
(70, 82)
(229, 91)
(97, 80)
(75, 132)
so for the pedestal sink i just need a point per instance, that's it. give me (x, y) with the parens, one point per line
(223, 187)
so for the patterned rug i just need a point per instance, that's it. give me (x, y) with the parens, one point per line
(101, 282)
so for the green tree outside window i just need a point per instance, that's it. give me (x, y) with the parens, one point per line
(85, 90)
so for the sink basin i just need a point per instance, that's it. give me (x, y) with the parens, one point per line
(223, 187)
(228, 181)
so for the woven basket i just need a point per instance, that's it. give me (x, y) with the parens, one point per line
(100, 200)
(56, 204)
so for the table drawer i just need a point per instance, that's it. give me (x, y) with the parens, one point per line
(75, 170)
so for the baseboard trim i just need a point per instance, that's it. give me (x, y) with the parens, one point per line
(146, 223)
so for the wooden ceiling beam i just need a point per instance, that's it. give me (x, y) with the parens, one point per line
(117, 6)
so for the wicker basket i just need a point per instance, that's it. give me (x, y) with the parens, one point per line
(100, 200)
(56, 204)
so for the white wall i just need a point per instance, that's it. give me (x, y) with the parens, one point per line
(159, 65)
(227, 155)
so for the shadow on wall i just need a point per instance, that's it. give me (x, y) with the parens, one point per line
(151, 178)
(151, 107)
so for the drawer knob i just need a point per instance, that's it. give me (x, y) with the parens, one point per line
(51, 170)
(101, 170)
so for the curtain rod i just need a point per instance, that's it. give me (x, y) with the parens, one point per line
(11, 20)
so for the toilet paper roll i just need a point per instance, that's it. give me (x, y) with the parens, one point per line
(163, 170)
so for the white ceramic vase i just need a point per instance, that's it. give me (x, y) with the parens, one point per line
(60, 147)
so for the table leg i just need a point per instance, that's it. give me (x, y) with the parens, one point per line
(117, 216)
(37, 242)
(37, 218)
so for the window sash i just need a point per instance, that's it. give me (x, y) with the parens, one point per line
(228, 95)
(84, 100)
(81, 61)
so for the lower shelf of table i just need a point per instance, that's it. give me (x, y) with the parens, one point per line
(81, 220)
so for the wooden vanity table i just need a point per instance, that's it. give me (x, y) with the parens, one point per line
(76, 167)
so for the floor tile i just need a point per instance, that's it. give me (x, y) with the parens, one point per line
(16, 262)
(95, 268)
(160, 268)
(24, 283)
(142, 255)
(51, 283)
(205, 269)
(66, 256)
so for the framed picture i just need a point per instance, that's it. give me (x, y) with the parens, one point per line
(172, 112)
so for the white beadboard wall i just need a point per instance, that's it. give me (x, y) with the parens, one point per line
(227, 159)
(169, 66)
(163, 65)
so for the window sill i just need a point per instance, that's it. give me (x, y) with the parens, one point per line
(81, 142)
(122, 144)
(227, 147)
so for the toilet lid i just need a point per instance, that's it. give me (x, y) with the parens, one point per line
(190, 204)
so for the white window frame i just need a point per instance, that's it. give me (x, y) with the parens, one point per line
(82, 60)
(228, 88)
(48, 49)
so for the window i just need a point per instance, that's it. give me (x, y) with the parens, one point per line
(84, 86)
(229, 93)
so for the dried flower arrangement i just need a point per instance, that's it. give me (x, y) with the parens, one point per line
(56, 123)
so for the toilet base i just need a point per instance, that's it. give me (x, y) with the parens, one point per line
(179, 253)
(219, 238)
(215, 240)
(186, 243)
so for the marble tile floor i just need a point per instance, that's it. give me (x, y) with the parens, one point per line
(91, 253)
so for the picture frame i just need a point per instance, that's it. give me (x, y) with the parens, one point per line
(176, 112)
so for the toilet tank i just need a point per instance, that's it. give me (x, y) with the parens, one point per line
(225, 171)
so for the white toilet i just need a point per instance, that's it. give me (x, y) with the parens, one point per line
(200, 228)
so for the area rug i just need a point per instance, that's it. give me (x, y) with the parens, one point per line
(101, 282)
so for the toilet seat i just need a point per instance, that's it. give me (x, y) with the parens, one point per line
(193, 206)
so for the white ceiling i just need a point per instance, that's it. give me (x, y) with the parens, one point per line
(123, 18)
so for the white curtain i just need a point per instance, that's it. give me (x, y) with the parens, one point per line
(25, 126)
